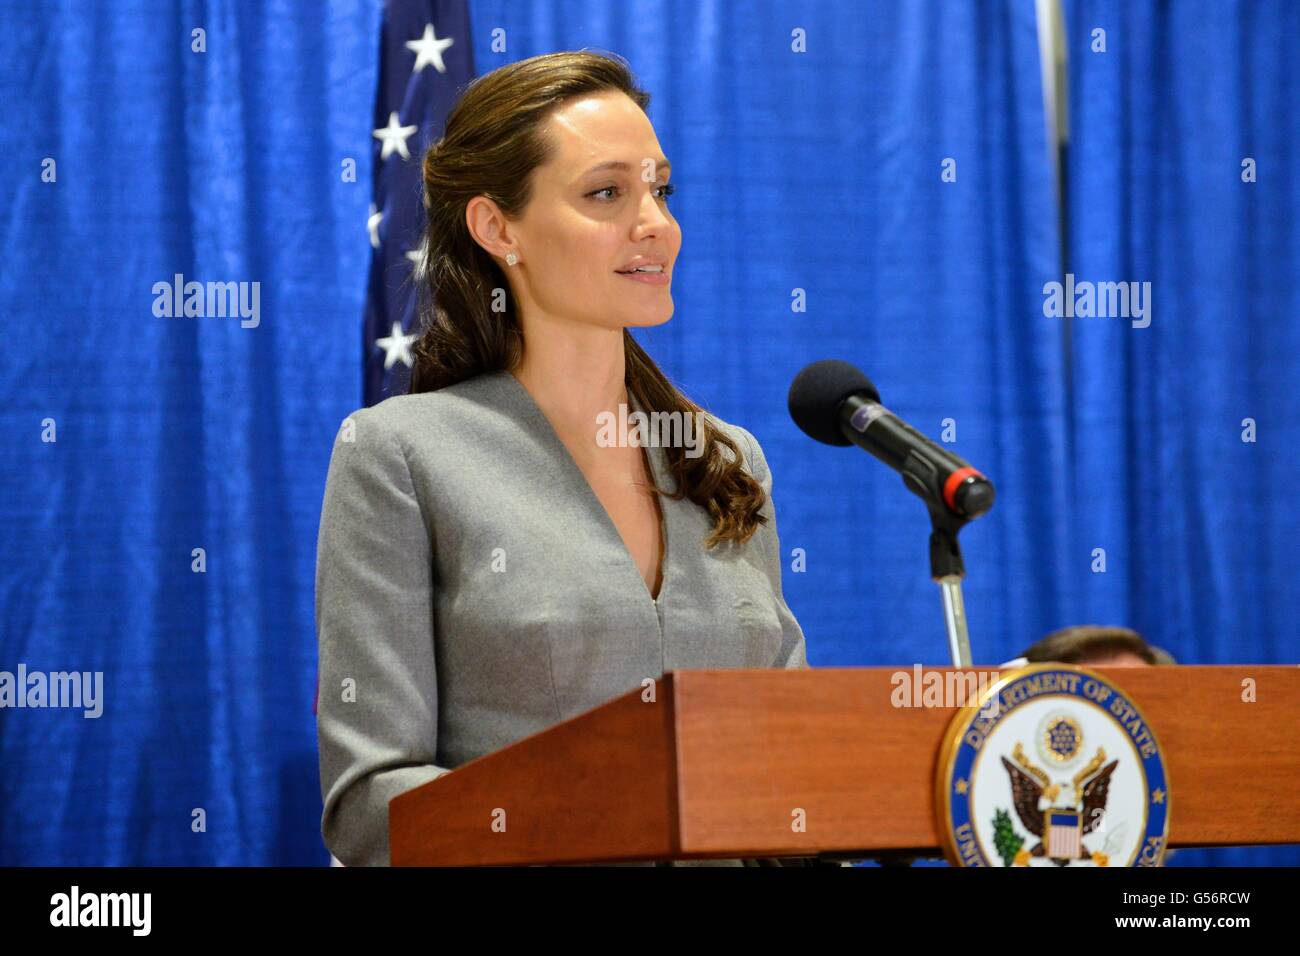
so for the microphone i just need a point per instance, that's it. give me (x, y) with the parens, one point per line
(833, 402)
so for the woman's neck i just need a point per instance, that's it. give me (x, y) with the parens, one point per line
(574, 378)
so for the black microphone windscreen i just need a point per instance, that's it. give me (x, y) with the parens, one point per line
(817, 393)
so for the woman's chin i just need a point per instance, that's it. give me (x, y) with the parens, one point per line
(648, 321)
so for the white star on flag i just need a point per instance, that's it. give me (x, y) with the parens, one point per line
(397, 346)
(372, 225)
(428, 49)
(394, 137)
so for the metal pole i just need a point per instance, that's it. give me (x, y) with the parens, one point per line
(954, 617)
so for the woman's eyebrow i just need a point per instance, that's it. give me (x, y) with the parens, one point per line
(619, 164)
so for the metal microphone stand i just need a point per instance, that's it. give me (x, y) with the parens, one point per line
(946, 565)
(947, 569)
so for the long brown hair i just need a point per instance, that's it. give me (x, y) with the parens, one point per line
(492, 143)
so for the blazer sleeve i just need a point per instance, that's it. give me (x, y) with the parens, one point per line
(793, 650)
(377, 716)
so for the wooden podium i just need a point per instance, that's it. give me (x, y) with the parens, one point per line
(718, 763)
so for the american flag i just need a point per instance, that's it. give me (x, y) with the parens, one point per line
(1062, 834)
(425, 61)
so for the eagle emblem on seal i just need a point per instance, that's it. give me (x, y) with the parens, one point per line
(1059, 829)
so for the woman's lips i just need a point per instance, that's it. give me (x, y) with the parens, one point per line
(650, 278)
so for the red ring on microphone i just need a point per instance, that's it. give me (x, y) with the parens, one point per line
(955, 479)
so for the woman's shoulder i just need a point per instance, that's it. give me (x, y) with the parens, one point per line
(424, 414)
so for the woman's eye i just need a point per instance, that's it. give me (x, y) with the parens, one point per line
(668, 190)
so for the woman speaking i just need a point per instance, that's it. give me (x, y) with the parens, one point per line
(502, 549)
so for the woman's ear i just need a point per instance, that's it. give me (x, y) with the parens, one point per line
(488, 227)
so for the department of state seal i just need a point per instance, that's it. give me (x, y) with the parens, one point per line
(1053, 766)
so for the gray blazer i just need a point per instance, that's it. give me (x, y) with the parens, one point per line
(472, 590)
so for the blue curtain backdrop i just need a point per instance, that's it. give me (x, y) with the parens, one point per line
(1199, 526)
(173, 433)
(811, 178)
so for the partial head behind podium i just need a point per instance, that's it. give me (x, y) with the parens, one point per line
(1097, 645)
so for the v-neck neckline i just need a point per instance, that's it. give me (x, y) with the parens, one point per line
(651, 454)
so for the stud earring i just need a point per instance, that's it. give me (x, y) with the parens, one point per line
(511, 258)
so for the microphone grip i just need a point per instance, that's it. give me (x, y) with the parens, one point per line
(928, 469)
(890, 438)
